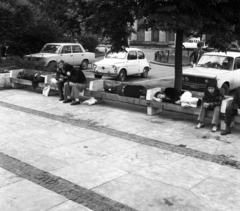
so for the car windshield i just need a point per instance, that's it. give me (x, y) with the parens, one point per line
(113, 55)
(215, 61)
(50, 49)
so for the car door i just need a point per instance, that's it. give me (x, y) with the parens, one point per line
(141, 61)
(236, 73)
(66, 54)
(132, 63)
(78, 54)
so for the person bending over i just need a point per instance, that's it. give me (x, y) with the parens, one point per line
(76, 83)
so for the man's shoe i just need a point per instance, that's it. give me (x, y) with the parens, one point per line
(67, 101)
(200, 125)
(214, 129)
(61, 98)
(75, 102)
(225, 132)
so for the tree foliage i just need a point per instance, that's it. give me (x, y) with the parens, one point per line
(114, 19)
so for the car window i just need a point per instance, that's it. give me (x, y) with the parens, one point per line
(141, 55)
(66, 49)
(76, 49)
(191, 41)
(237, 64)
(114, 55)
(50, 49)
(215, 61)
(132, 55)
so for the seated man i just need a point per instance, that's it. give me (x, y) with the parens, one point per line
(231, 111)
(135, 91)
(75, 84)
(61, 78)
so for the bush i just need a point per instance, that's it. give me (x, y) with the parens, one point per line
(88, 42)
(32, 64)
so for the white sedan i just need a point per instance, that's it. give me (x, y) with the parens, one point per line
(72, 53)
(130, 62)
(192, 43)
(219, 66)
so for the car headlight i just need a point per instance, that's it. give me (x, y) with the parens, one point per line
(186, 79)
(114, 68)
(206, 81)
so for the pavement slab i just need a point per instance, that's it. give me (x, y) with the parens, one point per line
(111, 157)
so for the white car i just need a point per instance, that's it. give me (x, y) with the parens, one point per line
(72, 53)
(192, 43)
(130, 62)
(219, 66)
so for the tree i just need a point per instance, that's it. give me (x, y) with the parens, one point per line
(114, 19)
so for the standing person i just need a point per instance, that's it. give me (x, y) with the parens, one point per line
(211, 101)
(196, 54)
(231, 111)
(61, 78)
(76, 83)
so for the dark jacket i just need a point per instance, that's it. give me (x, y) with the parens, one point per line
(77, 76)
(236, 99)
(135, 91)
(196, 54)
(60, 74)
(214, 99)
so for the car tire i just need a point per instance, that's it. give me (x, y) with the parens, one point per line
(145, 73)
(52, 65)
(97, 76)
(122, 75)
(225, 89)
(84, 64)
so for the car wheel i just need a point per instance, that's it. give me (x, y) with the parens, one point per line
(97, 76)
(122, 75)
(224, 89)
(183, 47)
(145, 73)
(84, 64)
(52, 65)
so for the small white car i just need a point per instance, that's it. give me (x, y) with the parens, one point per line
(192, 43)
(219, 66)
(130, 62)
(72, 53)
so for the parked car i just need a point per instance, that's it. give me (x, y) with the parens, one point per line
(232, 47)
(219, 66)
(192, 43)
(130, 62)
(72, 53)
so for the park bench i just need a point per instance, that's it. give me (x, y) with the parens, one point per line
(21, 83)
(96, 90)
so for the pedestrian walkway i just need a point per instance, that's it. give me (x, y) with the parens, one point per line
(57, 157)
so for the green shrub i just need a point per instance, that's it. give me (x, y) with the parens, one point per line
(32, 64)
(88, 42)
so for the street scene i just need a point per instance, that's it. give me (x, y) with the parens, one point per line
(119, 106)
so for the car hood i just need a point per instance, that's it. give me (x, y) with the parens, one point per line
(204, 72)
(45, 55)
(110, 62)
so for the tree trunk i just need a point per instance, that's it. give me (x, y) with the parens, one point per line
(178, 60)
(0, 54)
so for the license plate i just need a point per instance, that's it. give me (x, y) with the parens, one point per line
(194, 86)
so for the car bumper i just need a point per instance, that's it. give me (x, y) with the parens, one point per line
(106, 74)
(194, 87)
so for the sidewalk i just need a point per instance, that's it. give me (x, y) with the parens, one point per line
(57, 157)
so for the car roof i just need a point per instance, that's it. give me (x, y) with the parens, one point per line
(228, 53)
(67, 43)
